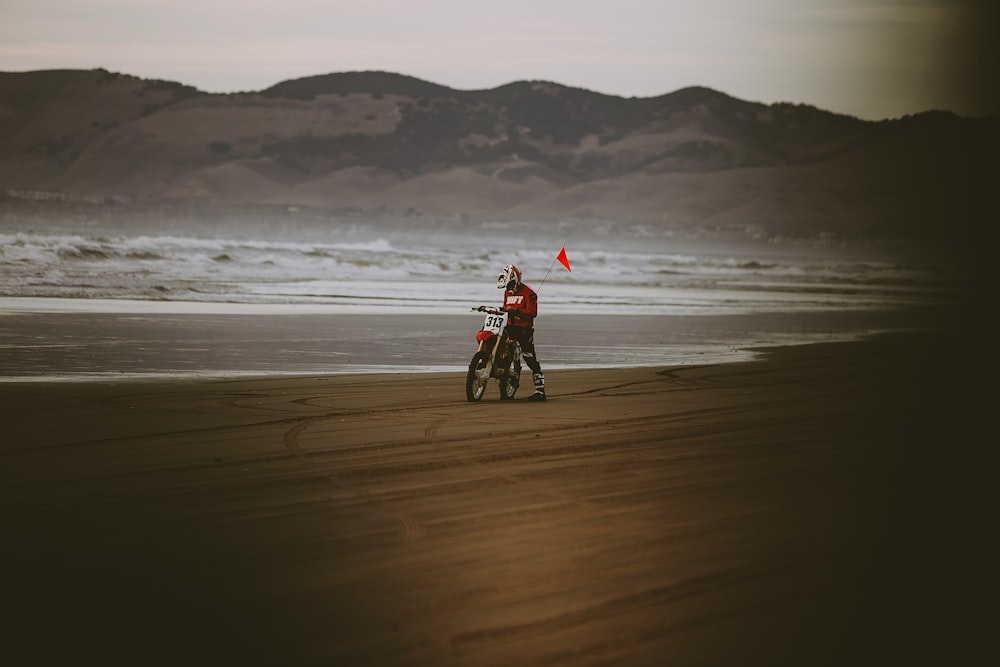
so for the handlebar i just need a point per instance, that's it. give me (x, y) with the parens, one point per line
(490, 310)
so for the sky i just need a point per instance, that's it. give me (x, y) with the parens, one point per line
(872, 59)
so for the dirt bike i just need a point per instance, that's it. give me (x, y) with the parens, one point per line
(498, 356)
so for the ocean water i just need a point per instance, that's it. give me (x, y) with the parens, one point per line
(448, 274)
(81, 302)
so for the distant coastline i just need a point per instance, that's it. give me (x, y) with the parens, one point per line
(372, 146)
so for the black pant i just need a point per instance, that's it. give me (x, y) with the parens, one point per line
(525, 336)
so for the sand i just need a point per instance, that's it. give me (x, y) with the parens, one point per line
(818, 506)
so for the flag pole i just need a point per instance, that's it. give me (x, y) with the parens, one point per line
(546, 276)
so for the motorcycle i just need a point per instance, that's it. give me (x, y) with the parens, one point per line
(498, 356)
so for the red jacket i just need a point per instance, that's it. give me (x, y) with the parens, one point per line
(522, 306)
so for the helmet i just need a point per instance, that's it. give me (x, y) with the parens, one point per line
(509, 278)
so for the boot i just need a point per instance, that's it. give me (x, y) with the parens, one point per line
(539, 394)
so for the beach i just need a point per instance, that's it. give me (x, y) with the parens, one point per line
(820, 504)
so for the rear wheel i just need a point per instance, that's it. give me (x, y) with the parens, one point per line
(510, 380)
(475, 381)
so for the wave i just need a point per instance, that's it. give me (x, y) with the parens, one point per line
(411, 270)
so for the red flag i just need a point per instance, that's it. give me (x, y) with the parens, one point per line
(563, 259)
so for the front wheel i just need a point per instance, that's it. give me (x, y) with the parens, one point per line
(478, 376)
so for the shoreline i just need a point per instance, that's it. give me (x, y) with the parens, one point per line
(97, 347)
(820, 505)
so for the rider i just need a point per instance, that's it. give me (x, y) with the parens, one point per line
(521, 304)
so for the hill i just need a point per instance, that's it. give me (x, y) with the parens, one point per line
(370, 144)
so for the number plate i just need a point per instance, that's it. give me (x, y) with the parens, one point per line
(494, 323)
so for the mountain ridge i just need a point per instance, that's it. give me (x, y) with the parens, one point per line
(380, 143)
